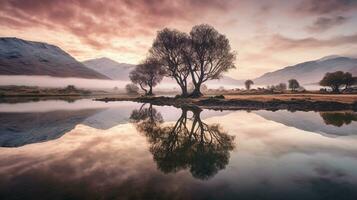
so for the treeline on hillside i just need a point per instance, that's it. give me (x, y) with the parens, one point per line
(337, 81)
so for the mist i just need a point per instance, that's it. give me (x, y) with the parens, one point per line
(48, 81)
(55, 82)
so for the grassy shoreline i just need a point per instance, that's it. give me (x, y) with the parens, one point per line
(298, 102)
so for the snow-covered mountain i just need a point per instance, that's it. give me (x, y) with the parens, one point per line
(21, 57)
(311, 71)
(110, 68)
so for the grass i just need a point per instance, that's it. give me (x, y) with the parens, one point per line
(342, 98)
(28, 91)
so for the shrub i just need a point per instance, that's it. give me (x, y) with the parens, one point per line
(218, 97)
(132, 89)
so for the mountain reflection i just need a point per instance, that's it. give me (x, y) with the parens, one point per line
(338, 118)
(18, 129)
(189, 143)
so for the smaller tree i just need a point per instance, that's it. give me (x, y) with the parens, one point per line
(132, 89)
(248, 83)
(281, 86)
(293, 84)
(71, 88)
(336, 80)
(147, 75)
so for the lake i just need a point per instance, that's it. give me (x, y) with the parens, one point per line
(123, 150)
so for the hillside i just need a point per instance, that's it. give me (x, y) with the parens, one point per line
(310, 72)
(110, 68)
(21, 57)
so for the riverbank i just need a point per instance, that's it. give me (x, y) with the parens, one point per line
(292, 102)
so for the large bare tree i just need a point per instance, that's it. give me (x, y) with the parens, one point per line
(207, 56)
(147, 75)
(167, 48)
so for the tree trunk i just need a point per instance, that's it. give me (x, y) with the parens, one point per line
(149, 93)
(143, 89)
(335, 89)
(183, 91)
(196, 93)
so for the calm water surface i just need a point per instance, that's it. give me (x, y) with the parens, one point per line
(124, 150)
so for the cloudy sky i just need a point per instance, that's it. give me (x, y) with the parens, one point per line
(267, 35)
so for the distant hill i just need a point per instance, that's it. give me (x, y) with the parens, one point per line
(120, 71)
(310, 72)
(21, 57)
(110, 68)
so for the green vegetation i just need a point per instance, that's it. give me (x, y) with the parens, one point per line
(248, 83)
(132, 89)
(293, 84)
(147, 74)
(338, 118)
(70, 90)
(338, 79)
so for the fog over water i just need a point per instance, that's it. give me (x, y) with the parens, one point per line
(49, 81)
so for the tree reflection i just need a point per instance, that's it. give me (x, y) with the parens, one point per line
(147, 120)
(338, 118)
(189, 143)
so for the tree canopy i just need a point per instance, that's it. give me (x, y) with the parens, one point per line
(293, 84)
(168, 48)
(207, 55)
(147, 75)
(336, 80)
(202, 55)
(248, 83)
(131, 89)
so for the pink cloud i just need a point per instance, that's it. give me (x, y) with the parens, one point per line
(93, 22)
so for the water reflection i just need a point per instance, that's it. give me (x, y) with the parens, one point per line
(338, 118)
(332, 124)
(189, 143)
(18, 129)
(105, 157)
(34, 122)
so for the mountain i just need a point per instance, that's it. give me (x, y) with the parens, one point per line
(311, 71)
(120, 71)
(110, 68)
(21, 57)
(226, 81)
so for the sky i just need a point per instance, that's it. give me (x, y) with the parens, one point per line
(267, 35)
